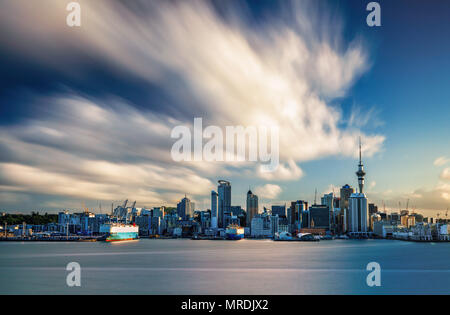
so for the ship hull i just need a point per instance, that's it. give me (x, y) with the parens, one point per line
(117, 237)
(234, 232)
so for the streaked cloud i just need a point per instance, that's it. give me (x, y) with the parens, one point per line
(441, 161)
(206, 65)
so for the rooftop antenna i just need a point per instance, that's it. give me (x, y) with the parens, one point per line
(315, 197)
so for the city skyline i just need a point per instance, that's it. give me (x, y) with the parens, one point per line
(86, 113)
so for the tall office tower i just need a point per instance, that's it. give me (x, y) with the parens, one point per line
(224, 209)
(214, 196)
(372, 209)
(358, 214)
(184, 208)
(345, 194)
(296, 214)
(319, 216)
(252, 206)
(236, 211)
(358, 211)
(337, 202)
(279, 210)
(328, 200)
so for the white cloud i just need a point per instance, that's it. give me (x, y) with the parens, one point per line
(289, 171)
(268, 191)
(331, 188)
(445, 173)
(441, 161)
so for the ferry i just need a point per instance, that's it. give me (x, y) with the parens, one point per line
(115, 232)
(234, 232)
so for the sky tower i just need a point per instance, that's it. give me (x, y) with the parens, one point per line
(360, 173)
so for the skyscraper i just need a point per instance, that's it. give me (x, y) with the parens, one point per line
(224, 209)
(185, 208)
(279, 210)
(296, 214)
(346, 192)
(358, 212)
(252, 206)
(214, 196)
(328, 200)
(319, 216)
(372, 209)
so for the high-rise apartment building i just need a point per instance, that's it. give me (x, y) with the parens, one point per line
(252, 206)
(214, 197)
(224, 203)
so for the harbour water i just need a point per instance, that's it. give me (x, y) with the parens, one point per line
(179, 266)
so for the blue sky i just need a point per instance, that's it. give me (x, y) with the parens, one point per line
(85, 113)
(406, 86)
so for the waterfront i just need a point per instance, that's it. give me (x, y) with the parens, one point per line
(180, 266)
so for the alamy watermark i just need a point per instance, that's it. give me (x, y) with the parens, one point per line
(74, 17)
(73, 278)
(374, 17)
(374, 277)
(234, 144)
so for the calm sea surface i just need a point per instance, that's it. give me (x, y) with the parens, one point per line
(225, 267)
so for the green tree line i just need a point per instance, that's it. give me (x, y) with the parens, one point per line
(34, 218)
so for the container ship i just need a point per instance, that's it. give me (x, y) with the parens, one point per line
(234, 232)
(114, 232)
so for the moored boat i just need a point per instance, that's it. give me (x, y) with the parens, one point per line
(234, 232)
(115, 232)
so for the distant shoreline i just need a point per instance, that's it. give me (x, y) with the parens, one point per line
(95, 239)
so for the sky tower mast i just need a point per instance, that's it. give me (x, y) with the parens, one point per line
(360, 173)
